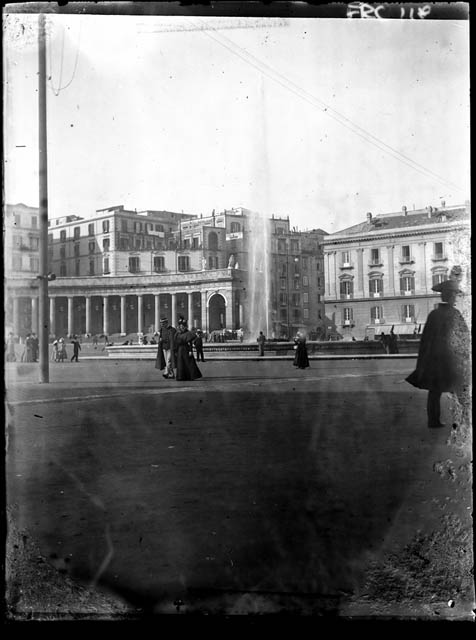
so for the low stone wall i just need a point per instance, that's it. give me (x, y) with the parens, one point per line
(359, 347)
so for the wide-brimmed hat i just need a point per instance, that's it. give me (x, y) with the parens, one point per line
(447, 286)
(163, 320)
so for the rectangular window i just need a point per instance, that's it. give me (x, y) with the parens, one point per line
(124, 244)
(376, 287)
(34, 222)
(348, 314)
(16, 263)
(34, 265)
(124, 225)
(281, 245)
(296, 300)
(283, 298)
(306, 314)
(345, 255)
(374, 256)
(159, 264)
(408, 313)
(184, 263)
(50, 238)
(77, 270)
(407, 285)
(17, 220)
(438, 250)
(138, 244)
(62, 270)
(34, 243)
(62, 252)
(159, 227)
(63, 235)
(76, 249)
(106, 265)
(305, 281)
(283, 283)
(346, 288)
(297, 283)
(297, 268)
(284, 269)
(106, 244)
(305, 263)
(195, 243)
(91, 247)
(295, 245)
(91, 267)
(376, 314)
(105, 226)
(76, 232)
(437, 278)
(134, 264)
(284, 314)
(91, 229)
(406, 253)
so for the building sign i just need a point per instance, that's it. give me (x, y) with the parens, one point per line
(234, 236)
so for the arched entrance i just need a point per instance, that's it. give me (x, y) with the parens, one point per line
(216, 312)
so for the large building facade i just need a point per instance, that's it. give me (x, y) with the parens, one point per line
(119, 271)
(380, 273)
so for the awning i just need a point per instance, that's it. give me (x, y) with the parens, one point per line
(398, 328)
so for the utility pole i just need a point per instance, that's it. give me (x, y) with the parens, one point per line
(43, 198)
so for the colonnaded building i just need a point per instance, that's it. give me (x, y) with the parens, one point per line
(119, 271)
(380, 273)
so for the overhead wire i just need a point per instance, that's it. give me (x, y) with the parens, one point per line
(60, 88)
(278, 77)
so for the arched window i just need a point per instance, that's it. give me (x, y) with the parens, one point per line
(213, 241)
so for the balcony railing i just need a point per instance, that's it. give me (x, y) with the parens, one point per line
(439, 256)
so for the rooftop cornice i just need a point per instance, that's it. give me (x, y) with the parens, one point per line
(398, 232)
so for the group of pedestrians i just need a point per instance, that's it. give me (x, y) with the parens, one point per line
(175, 351)
(59, 350)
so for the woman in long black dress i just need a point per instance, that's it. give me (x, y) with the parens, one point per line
(185, 362)
(301, 359)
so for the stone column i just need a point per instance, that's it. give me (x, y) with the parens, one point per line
(335, 275)
(156, 312)
(173, 310)
(228, 310)
(52, 316)
(190, 310)
(88, 314)
(105, 314)
(204, 311)
(16, 302)
(140, 320)
(123, 315)
(34, 315)
(70, 315)
(328, 271)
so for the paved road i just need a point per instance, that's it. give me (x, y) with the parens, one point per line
(257, 488)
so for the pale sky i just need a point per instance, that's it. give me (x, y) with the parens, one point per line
(270, 114)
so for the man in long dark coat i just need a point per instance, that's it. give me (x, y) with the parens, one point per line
(443, 357)
(165, 360)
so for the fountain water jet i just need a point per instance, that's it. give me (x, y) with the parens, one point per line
(259, 250)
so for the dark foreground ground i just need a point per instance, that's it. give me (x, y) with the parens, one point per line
(257, 489)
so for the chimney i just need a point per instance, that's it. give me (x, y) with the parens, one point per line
(369, 217)
(429, 210)
(404, 209)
